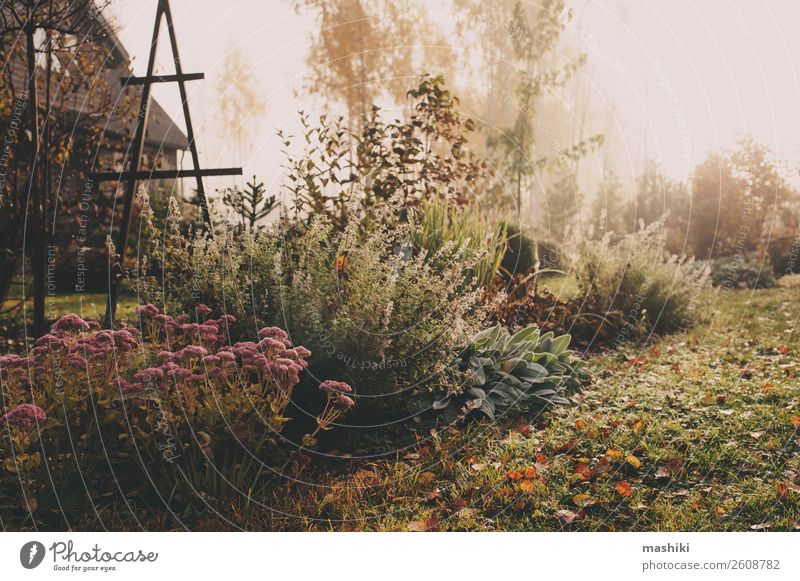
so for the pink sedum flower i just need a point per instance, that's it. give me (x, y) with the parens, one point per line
(25, 415)
(343, 402)
(335, 386)
(273, 333)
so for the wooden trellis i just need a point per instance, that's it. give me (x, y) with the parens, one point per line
(134, 174)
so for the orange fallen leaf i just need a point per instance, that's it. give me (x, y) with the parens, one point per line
(583, 471)
(796, 422)
(527, 486)
(634, 462)
(530, 472)
(582, 500)
(614, 454)
(624, 488)
(515, 474)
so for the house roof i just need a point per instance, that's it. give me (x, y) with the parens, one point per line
(162, 132)
(161, 129)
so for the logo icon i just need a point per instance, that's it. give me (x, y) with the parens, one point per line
(31, 554)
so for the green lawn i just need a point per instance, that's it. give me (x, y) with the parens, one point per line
(698, 431)
(87, 305)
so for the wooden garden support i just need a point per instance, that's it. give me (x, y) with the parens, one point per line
(134, 173)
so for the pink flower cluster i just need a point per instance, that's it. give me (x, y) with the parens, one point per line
(337, 391)
(24, 415)
(170, 353)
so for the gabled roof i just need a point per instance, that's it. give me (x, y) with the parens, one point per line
(162, 132)
(161, 129)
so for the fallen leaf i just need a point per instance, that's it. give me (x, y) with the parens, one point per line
(603, 466)
(567, 448)
(583, 471)
(637, 426)
(515, 474)
(756, 435)
(527, 486)
(783, 490)
(426, 478)
(583, 500)
(662, 473)
(634, 461)
(624, 488)
(530, 472)
(581, 425)
(796, 422)
(523, 427)
(467, 513)
(459, 503)
(719, 512)
(566, 516)
(614, 453)
(419, 526)
(762, 526)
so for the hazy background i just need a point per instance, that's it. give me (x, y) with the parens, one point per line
(665, 81)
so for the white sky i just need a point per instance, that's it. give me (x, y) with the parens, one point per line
(680, 76)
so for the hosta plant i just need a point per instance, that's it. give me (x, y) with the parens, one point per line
(735, 272)
(520, 373)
